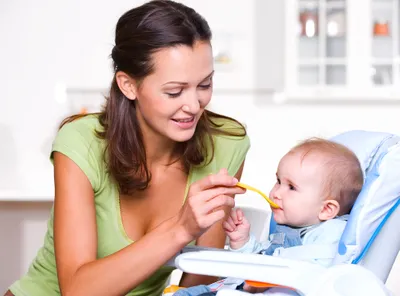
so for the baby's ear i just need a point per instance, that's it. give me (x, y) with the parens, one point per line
(330, 209)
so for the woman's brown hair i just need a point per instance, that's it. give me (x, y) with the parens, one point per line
(140, 32)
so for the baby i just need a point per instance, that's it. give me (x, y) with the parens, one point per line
(317, 183)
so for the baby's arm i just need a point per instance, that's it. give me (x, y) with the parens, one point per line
(237, 228)
(252, 245)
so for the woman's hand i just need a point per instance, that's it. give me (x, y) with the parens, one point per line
(205, 202)
(237, 228)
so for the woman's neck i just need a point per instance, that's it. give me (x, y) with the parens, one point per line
(159, 149)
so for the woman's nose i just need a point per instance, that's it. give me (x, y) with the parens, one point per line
(192, 104)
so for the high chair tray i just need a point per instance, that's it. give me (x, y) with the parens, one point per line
(190, 249)
(307, 278)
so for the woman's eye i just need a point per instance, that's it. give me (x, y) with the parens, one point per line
(174, 94)
(205, 86)
(278, 181)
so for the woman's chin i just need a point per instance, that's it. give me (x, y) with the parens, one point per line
(182, 136)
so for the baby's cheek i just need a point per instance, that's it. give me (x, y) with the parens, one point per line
(290, 214)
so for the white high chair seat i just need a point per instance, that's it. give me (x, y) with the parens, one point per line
(367, 249)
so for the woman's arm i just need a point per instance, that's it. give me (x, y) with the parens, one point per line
(214, 237)
(75, 239)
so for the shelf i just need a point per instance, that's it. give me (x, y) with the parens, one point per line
(335, 4)
(377, 94)
(25, 196)
(308, 4)
(40, 188)
(385, 61)
(322, 61)
(330, 4)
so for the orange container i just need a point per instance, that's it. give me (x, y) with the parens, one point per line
(381, 29)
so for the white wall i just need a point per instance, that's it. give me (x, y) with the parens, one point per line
(47, 46)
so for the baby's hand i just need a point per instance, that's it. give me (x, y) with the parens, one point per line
(237, 228)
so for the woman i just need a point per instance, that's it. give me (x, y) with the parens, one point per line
(151, 173)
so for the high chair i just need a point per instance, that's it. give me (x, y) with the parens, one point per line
(366, 251)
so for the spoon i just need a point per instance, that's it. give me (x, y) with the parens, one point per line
(245, 186)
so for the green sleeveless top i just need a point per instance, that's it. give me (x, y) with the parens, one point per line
(78, 141)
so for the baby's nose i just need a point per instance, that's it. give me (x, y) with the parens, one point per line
(277, 196)
(274, 194)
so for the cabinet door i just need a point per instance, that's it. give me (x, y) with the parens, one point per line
(342, 49)
(316, 44)
(374, 46)
(384, 32)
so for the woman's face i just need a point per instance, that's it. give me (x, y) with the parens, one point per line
(170, 101)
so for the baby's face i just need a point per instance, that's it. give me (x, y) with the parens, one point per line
(299, 189)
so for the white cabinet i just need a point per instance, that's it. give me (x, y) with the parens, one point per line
(342, 49)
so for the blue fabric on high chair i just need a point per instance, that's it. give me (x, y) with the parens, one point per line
(283, 236)
(379, 156)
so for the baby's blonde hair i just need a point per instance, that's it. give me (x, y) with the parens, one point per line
(344, 177)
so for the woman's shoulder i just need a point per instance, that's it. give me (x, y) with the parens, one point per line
(80, 132)
(79, 141)
(86, 125)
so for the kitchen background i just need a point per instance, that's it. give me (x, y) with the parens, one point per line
(288, 69)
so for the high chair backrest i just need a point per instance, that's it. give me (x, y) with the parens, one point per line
(372, 234)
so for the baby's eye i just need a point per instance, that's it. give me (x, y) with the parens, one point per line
(291, 187)
(278, 181)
